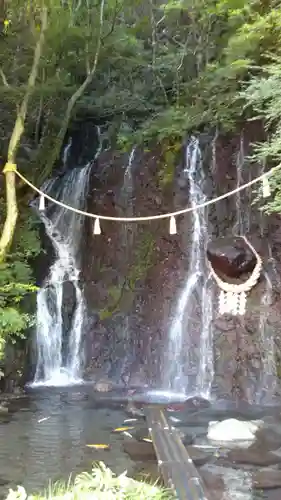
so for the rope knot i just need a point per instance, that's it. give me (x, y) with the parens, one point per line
(9, 167)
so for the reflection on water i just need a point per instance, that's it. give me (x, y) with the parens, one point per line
(46, 436)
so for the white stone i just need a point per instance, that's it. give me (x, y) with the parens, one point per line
(233, 430)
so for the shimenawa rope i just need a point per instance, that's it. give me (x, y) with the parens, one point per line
(233, 296)
(263, 177)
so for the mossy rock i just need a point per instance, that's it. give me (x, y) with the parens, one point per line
(168, 163)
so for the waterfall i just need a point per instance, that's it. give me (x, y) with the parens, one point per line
(128, 189)
(267, 376)
(188, 371)
(100, 143)
(66, 152)
(58, 344)
(127, 234)
(243, 199)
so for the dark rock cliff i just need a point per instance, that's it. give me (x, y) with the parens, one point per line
(133, 274)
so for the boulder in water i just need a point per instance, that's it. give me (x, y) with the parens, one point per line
(268, 439)
(257, 457)
(267, 479)
(3, 409)
(231, 256)
(103, 385)
(233, 430)
(197, 403)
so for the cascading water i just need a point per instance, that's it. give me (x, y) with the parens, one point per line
(268, 376)
(100, 143)
(190, 372)
(59, 359)
(244, 200)
(127, 233)
(127, 199)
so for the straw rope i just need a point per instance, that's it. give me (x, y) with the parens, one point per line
(263, 177)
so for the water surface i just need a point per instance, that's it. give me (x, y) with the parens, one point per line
(45, 436)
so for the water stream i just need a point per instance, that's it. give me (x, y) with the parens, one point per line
(59, 338)
(127, 202)
(190, 371)
(244, 199)
(127, 235)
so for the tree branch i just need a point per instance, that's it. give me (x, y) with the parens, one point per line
(116, 12)
(4, 79)
(75, 97)
(10, 176)
(157, 74)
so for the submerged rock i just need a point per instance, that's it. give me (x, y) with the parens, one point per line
(3, 409)
(140, 450)
(143, 451)
(268, 439)
(214, 483)
(231, 256)
(133, 411)
(253, 456)
(267, 479)
(103, 385)
(196, 403)
(198, 456)
(148, 472)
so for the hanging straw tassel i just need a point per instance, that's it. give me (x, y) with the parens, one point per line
(42, 203)
(265, 187)
(97, 228)
(173, 225)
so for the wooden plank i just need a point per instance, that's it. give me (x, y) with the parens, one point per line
(175, 464)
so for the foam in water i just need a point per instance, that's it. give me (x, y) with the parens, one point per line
(181, 350)
(59, 358)
(160, 397)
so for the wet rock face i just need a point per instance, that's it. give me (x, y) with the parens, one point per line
(231, 256)
(69, 301)
(130, 272)
(133, 275)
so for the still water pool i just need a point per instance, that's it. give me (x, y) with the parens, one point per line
(45, 433)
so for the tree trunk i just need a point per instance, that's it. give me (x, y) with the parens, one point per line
(9, 169)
